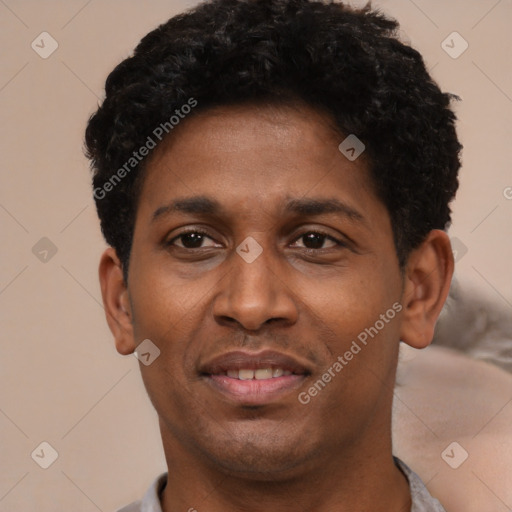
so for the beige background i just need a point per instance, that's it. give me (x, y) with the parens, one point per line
(61, 379)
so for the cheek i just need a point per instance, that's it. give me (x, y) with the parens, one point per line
(360, 313)
(354, 300)
(164, 306)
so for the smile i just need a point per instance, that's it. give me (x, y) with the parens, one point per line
(259, 374)
(255, 378)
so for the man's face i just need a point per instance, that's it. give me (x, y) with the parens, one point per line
(200, 290)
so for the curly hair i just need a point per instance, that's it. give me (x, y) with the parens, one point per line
(345, 61)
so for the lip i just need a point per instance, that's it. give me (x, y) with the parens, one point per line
(254, 392)
(237, 360)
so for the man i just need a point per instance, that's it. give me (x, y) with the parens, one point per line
(273, 178)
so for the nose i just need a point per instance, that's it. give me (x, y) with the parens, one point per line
(254, 294)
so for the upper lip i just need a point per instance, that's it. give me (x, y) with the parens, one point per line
(238, 360)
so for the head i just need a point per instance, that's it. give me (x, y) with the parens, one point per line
(237, 223)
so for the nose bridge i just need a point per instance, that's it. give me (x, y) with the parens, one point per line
(253, 265)
(254, 293)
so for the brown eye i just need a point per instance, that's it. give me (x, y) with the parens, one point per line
(191, 240)
(315, 240)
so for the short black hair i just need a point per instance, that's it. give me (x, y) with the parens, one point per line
(345, 61)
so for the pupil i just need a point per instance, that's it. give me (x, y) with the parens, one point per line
(195, 239)
(315, 239)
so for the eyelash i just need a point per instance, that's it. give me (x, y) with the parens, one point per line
(338, 243)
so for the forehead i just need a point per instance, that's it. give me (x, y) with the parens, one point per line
(255, 153)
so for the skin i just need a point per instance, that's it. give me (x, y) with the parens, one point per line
(304, 296)
(476, 413)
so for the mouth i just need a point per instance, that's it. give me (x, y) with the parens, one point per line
(255, 378)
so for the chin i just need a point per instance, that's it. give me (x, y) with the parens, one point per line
(259, 456)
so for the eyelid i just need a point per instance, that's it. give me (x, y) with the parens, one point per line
(337, 241)
(201, 231)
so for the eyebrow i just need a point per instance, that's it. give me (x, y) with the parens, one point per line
(308, 207)
(312, 207)
(200, 205)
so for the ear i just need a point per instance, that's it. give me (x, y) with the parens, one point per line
(428, 277)
(116, 301)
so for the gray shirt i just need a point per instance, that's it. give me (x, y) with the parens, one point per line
(422, 501)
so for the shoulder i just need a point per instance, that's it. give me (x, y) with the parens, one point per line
(150, 502)
(133, 507)
(422, 500)
(452, 418)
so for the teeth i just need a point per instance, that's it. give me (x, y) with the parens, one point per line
(246, 374)
(259, 374)
(263, 373)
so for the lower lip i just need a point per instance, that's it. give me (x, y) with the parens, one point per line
(253, 391)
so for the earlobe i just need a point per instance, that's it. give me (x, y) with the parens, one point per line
(116, 301)
(427, 283)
